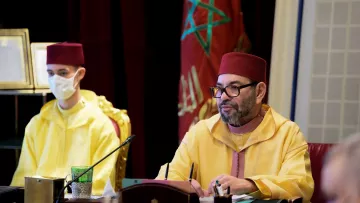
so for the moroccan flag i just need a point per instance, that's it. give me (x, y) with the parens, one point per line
(210, 29)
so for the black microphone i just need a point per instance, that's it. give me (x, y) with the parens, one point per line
(127, 141)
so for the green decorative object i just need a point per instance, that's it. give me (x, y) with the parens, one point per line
(78, 170)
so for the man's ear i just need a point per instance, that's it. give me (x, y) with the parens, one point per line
(260, 92)
(81, 73)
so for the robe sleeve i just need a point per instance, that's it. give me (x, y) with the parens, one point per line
(179, 167)
(27, 163)
(294, 178)
(105, 170)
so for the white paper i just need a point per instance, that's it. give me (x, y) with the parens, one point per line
(241, 197)
(69, 196)
(37, 176)
(109, 190)
(235, 198)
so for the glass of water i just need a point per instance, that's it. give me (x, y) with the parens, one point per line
(82, 187)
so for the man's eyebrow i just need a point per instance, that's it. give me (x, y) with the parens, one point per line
(236, 82)
(62, 69)
(231, 83)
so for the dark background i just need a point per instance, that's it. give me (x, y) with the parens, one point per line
(132, 53)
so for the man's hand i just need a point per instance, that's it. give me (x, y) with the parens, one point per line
(237, 186)
(196, 185)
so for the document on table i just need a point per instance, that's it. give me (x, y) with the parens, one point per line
(235, 198)
(69, 196)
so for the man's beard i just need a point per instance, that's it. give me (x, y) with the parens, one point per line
(234, 118)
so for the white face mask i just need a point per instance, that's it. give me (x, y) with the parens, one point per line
(62, 88)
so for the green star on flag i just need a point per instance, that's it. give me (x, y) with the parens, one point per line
(208, 26)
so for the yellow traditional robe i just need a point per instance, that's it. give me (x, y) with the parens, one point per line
(275, 157)
(57, 139)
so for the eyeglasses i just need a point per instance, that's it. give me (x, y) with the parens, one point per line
(230, 90)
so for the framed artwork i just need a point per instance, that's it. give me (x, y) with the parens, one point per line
(15, 60)
(38, 55)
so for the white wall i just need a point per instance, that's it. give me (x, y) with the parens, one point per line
(328, 94)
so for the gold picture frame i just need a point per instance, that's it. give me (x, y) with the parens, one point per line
(15, 59)
(38, 58)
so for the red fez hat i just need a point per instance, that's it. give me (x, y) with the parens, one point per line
(65, 53)
(245, 65)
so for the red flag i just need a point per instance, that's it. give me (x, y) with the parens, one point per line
(210, 29)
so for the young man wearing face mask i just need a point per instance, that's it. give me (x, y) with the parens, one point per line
(70, 130)
(247, 146)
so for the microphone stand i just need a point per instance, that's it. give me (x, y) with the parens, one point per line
(127, 141)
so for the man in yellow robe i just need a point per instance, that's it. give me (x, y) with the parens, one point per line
(69, 131)
(247, 145)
